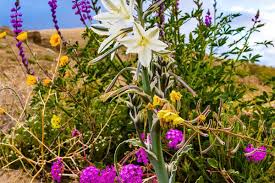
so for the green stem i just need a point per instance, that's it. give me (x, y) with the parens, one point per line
(155, 132)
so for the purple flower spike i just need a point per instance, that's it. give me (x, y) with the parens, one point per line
(57, 170)
(90, 175)
(83, 9)
(142, 156)
(208, 19)
(131, 174)
(16, 22)
(175, 137)
(255, 154)
(108, 175)
(53, 6)
(161, 23)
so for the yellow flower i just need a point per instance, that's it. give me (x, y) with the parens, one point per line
(3, 35)
(2, 111)
(46, 82)
(63, 61)
(55, 40)
(55, 121)
(202, 118)
(169, 116)
(31, 80)
(175, 96)
(22, 36)
(150, 106)
(157, 101)
(67, 74)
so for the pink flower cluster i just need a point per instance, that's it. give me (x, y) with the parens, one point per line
(131, 174)
(142, 156)
(57, 170)
(255, 154)
(175, 137)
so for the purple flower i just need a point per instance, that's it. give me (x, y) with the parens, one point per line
(108, 175)
(142, 156)
(16, 21)
(131, 174)
(161, 23)
(83, 9)
(90, 175)
(56, 170)
(75, 133)
(53, 6)
(208, 19)
(175, 137)
(255, 154)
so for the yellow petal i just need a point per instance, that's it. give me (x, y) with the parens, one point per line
(3, 35)
(22, 36)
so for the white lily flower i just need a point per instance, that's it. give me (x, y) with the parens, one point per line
(144, 43)
(119, 14)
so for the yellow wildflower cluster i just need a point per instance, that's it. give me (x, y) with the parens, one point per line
(46, 82)
(31, 80)
(170, 117)
(3, 35)
(56, 122)
(22, 36)
(64, 60)
(55, 40)
(175, 96)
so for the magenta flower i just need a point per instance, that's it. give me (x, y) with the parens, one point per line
(83, 9)
(142, 156)
(208, 19)
(175, 137)
(75, 133)
(255, 154)
(57, 170)
(108, 175)
(131, 174)
(16, 21)
(90, 175)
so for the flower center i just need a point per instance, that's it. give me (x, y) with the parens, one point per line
(143, 41)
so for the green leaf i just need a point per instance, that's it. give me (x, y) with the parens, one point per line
(200, 180)
(213, 163)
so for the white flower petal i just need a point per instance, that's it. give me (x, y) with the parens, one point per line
(106, 16)
(110, 6)
(114, 53)
(138, 30)
(157, 45)
(153, 33)
(108, 41)
(145, 57)
(128, 41)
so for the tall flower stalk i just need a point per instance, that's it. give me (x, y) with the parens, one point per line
(53, 6)
(16, 21)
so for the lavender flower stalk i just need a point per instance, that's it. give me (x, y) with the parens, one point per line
(53, 5)
(83, 9)
(16, 22)
(161, 22)
(208, 19)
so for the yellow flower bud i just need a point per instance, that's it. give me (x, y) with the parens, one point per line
(55, 40)
(3, 35)
(55, 121)
(46, 82)
(64, 60)
(175, 96)
(22, 36)
(2, 111)
(31, 80)
(157, 101)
